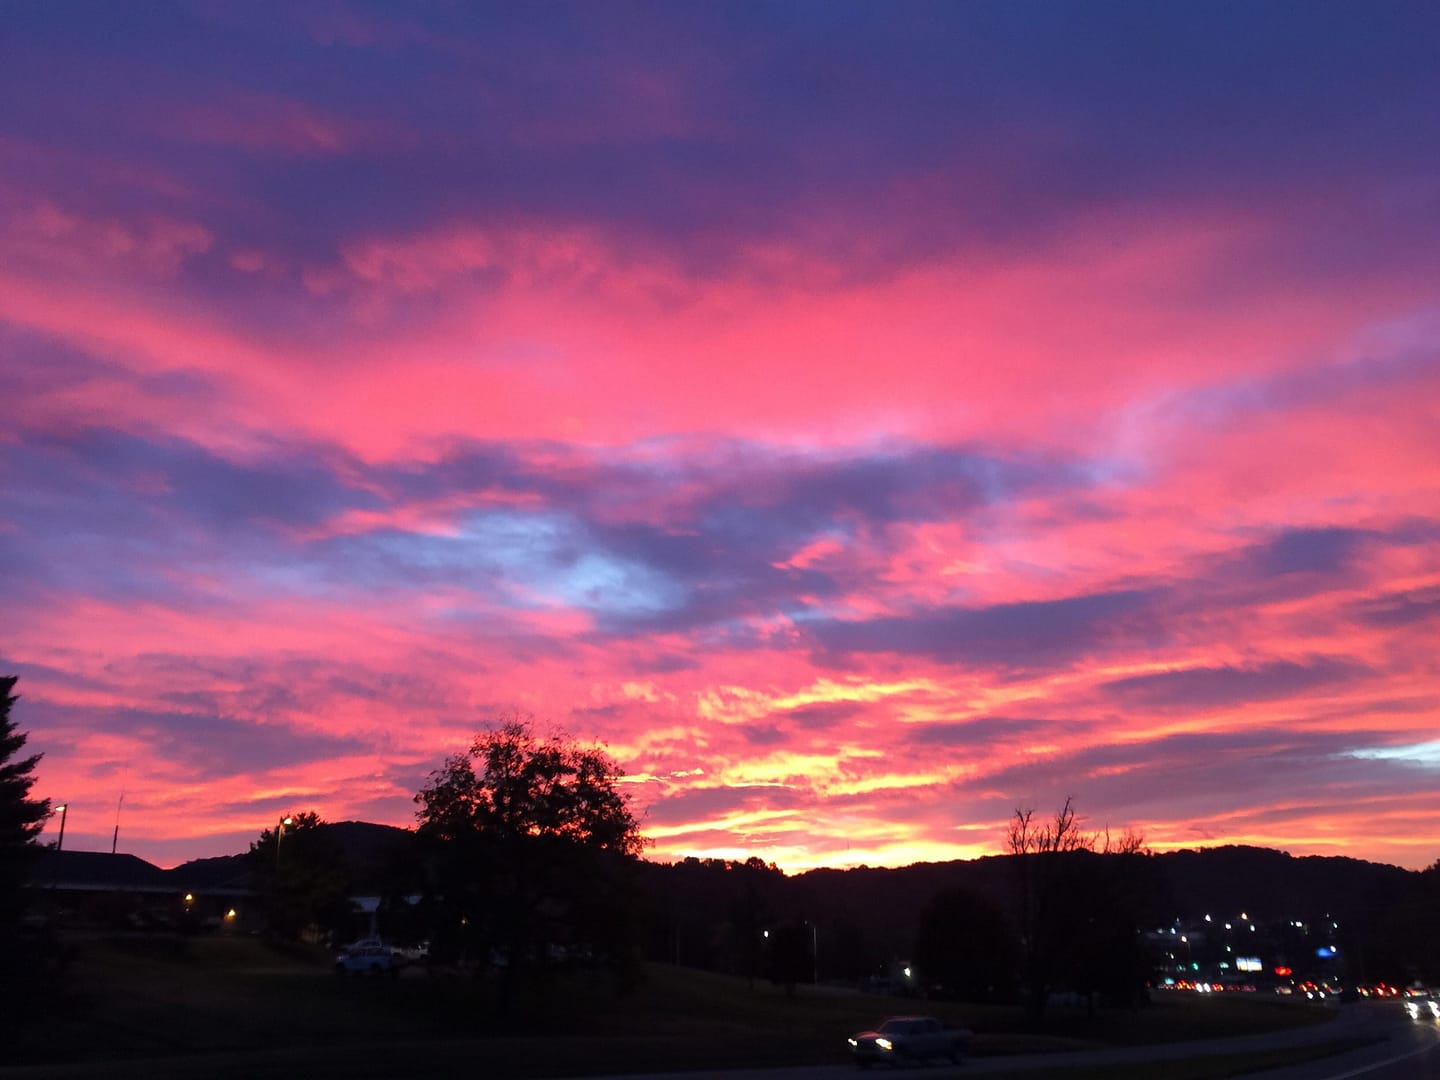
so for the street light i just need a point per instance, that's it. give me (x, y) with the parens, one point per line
(60, 843)
(280, 835)
(815, 953)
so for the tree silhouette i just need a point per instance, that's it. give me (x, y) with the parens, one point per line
(21, 818)
(966, 945)
(528, 842)
(1082, 897)
(749, 914)
(790, 955)
(301, 878)
(1398, 938)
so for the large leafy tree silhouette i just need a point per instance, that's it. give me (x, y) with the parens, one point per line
(301, 877)
(528, 842)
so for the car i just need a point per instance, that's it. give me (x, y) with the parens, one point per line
(909, 1039)
(1422, 1008)
(366, 958)
(411, 954)
(362, 943)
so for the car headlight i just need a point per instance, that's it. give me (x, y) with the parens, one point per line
(852, 1042)
(884, 1043)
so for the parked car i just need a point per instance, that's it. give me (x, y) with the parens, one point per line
(362, 943)
(906, 1039)
(366, 958)
(411, 954)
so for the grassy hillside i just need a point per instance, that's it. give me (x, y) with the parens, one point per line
(236, 1007)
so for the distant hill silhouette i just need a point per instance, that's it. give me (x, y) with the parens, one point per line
(1263, 882)
(869, 915)
(220, 872)
(368, 850)
(1273, 884)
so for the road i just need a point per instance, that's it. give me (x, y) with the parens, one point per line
(1407, 1051)
(1397, 1048)
(1402, 1050)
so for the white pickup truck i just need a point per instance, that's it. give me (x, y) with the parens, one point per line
(909, 1039)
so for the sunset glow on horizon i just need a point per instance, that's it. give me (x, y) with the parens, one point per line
(863, 420)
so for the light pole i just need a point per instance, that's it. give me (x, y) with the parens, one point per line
(815, 954)
(60, 841)
(280, 835)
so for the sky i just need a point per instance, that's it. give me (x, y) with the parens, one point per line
(863, 420)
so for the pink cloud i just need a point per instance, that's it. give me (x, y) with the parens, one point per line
(68, 241)
(348, 430)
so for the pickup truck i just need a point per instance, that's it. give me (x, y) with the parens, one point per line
(902, 1039)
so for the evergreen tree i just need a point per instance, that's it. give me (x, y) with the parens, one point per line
(21, 817)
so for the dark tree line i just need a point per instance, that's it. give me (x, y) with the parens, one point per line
(1063, 913)
(1070, 920)
(526, 859)
(1396, 937)
(966, 947)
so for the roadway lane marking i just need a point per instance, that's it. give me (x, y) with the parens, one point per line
(1381, 1064)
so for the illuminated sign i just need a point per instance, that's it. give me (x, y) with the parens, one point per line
(1249, 963)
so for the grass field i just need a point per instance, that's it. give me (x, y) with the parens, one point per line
(234, 1007)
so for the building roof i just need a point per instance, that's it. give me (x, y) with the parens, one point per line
(100, 871)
